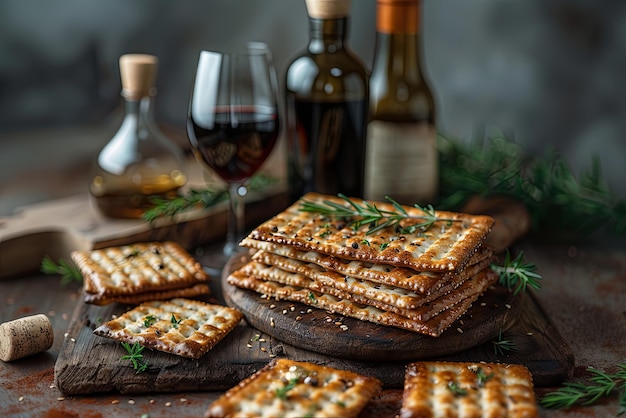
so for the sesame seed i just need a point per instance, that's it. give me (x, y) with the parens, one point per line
(131, 402)
(168, 404)
(66, 335)
(73, 340)
(152, 401)
(460, 330)
(263, 349)
(261, 340)
(507, 306)
(249, 345)
(272, 323)
(285, 311)
(483, 304)
(344, 327)
(60, 398)
(183, 400)
(292, 308)
(52, 386)
(272, 306)
(272, 355)
(20, 399)
(529, 333)
(298, 318)
(309, 310)
(115, 402)
(337, 323)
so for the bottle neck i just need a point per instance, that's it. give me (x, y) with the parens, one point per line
(398, 40)
(141, 109)
(327, 34)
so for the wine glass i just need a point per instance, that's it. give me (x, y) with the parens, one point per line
(233, 122)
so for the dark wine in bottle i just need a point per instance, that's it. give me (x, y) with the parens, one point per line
(327, 107)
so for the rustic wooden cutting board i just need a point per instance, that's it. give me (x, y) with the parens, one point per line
(89, 364)
(55, 228)
(317, 330)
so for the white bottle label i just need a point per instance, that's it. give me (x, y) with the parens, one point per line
(401, 162)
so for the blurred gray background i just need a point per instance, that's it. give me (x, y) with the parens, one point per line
(547, 73)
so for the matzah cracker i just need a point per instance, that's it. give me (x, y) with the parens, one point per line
(289, 389)
(423, 282)
(184, 327)
(458, 389)
(388, 294)
(446, 246)
(433, 327)
(385, 298)
(136, 299)
(138, 268)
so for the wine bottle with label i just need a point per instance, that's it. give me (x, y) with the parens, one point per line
(326, 107)
(401, 155)
(139, 163)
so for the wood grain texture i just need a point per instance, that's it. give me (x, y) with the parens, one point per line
(89, 364)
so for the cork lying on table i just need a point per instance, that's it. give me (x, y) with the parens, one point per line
(25, 336)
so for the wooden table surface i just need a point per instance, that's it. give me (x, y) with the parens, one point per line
(583, 293)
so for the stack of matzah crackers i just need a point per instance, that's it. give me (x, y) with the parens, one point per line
(140, 272)
(416, 278)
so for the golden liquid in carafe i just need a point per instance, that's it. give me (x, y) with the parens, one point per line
(130, 195)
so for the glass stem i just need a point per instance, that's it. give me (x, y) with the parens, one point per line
(236, 217)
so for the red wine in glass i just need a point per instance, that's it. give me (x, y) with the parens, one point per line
(238, 142)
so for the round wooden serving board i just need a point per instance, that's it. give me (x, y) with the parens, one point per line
(321, 331)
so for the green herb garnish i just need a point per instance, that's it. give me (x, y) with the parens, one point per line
(175, 322)
(282, 392)
(500, 346)
(560, 204)
(517, 274)
(69, 272)
(149, 320)
(135, 356)
(482, 378)
(600, 385)
(456, 389)
(368, 214)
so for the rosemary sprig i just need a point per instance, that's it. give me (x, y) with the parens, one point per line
(500, 346)
(517, 274)
(561, 205)
(482, 378)
(69, 272)
(175, 322)
(600, 385)
(135, 356)
(149, 320)
(199, 198)
(193, 198)
(282, 392)
(456, 389)
(368, 214)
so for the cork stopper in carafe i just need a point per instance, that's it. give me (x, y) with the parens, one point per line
(328, 9)
(138, 73)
